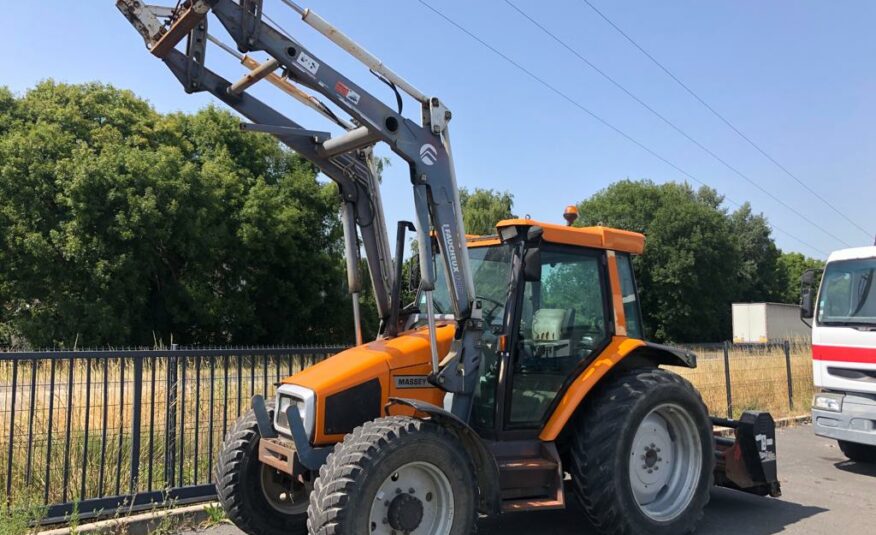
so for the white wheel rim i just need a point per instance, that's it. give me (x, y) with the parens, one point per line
(415, 487)
(665, 462)
(291, 499)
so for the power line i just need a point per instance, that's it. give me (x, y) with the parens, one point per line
(672, 124)
(592, 114)
(724, 119)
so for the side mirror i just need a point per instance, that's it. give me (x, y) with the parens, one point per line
(807, 309)
(414, 273)
(807, 281)
(532, 256)
(532, 264)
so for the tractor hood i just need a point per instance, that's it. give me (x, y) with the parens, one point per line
(355, 385)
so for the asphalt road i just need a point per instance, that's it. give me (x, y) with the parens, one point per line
(823, 493)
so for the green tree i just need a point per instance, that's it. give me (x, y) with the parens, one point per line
(789, 268)
(686, 274)
(757, 269)
(483, 208)
(120, 225)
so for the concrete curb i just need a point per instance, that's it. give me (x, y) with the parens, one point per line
(780, 423)
(794, 420)
(140, 524)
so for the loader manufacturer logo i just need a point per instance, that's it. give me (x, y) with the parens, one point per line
(451, 248)
(412, 381)
(428, 154)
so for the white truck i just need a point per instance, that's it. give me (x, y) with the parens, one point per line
(844, 350)
(761, 323)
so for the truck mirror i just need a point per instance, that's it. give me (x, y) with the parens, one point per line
(808, 277)
(532, 264)
(806, 308)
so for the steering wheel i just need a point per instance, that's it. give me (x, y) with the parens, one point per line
(496, 305)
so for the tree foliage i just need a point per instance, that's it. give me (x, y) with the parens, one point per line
(120, 225)
(698, 258)
(483, 208)
(790, 268)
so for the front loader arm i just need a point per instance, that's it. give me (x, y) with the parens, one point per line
(345, 158)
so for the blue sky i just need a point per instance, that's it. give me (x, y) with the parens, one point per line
(797, 77)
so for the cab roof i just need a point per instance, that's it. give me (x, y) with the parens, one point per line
(597, 237)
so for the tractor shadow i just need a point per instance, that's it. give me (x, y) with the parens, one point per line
(752, 515)
(861, 469)
(748, 514)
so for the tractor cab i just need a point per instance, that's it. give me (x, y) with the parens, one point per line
(552, 298)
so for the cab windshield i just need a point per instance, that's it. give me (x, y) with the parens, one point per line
(848, 296)
(491, 270)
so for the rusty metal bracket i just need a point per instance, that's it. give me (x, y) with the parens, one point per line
(250, 24)
(181, 27)
(196, 50)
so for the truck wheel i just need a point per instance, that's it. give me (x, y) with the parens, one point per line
(257, 498)
(643, 454)
(395, 475)
(861, 453)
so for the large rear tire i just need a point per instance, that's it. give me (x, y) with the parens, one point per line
(643, 455)
(860, 453)
(257, 498)
(395, 475)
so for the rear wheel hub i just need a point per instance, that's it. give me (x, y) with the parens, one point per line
(405, 513)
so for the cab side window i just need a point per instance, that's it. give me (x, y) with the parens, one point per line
(563, 321)
(632, 311)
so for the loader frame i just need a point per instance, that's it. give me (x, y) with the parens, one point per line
(347, 159)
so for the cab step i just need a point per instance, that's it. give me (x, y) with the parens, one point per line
(530, 475)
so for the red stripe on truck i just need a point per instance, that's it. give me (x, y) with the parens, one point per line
(844, 354)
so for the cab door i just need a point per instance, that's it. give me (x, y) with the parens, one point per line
(562, 322)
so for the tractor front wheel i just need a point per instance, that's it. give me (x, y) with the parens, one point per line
(257, 498)
(643, 454)
(395, 475)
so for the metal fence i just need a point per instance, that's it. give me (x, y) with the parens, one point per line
(104, 431)
(775, 377)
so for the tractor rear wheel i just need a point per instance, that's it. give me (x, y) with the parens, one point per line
(395, 475)
(860, 453)
(257, 498)
(643, 454)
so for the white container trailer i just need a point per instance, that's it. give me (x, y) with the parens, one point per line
(759, 323)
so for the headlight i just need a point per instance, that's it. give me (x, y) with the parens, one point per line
(828, 402)
(304, 399)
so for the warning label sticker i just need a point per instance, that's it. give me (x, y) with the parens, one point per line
(308, 63)
(346, 92)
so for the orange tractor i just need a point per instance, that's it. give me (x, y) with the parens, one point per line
(519, 375)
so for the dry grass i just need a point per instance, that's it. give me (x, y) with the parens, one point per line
(91, 401)
(758, 378)
(218, 389)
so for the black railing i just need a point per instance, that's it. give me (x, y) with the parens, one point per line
(774, 376)
(98, 432)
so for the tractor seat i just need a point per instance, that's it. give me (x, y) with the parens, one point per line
(552, 324)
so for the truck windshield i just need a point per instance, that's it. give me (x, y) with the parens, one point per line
(491, 269)
(848, 296)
